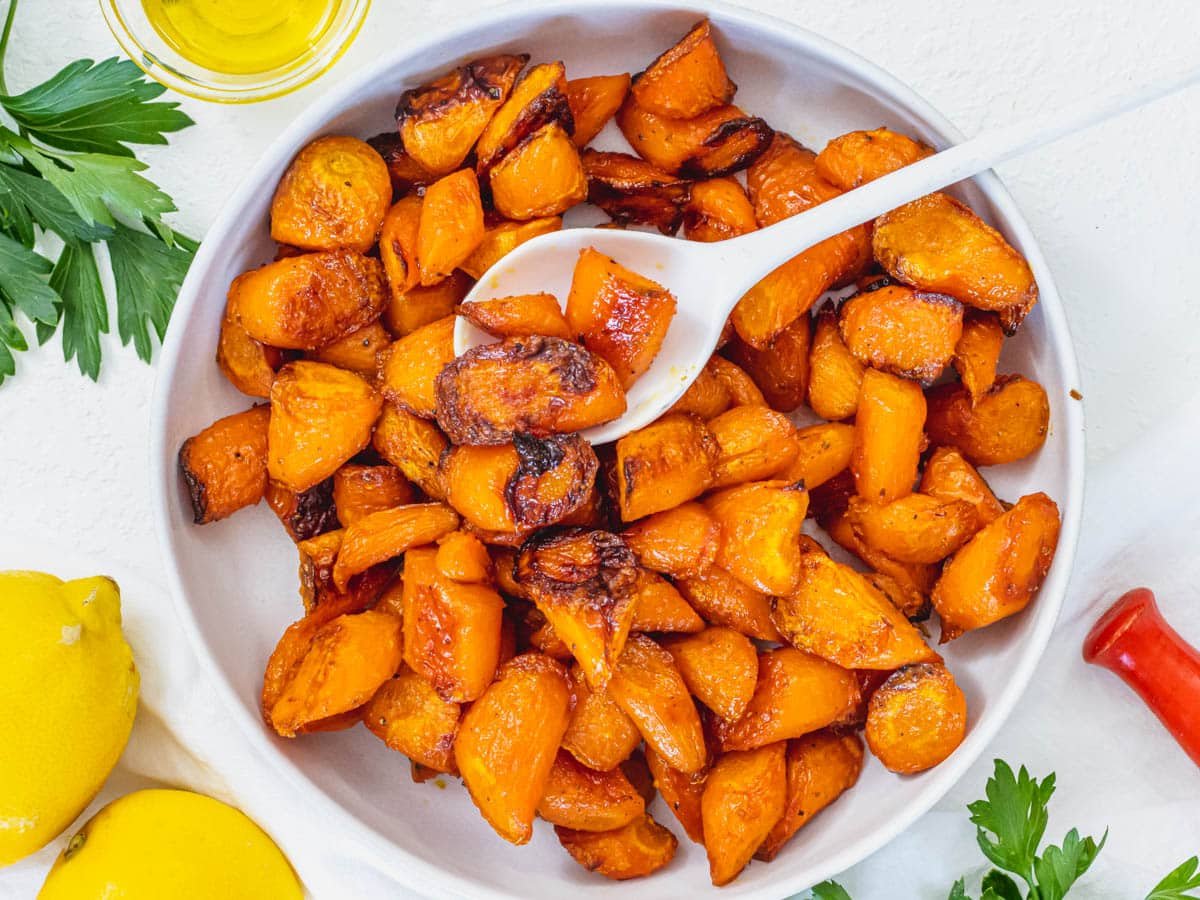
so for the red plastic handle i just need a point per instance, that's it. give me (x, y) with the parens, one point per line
(1133, 640)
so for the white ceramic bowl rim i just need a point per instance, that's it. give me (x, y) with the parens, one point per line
(360, 840)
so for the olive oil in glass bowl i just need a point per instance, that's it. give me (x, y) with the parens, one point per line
(234, 51)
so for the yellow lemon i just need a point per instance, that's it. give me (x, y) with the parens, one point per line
(68, 694)
(162, 844)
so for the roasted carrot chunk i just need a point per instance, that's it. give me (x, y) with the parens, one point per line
(346, 661)
(820, 768)
(724, 600)
(780, 368)
(225, 465)
(917, 718)
(584, 799)
(440, 121)
(716, 210)
(754, 443)
(823, 451)
(357, 352)
(760, 533)
(451, 225)
(680, 542)
(600, 735)
(659, 607)
(618, 314)
(888, 433)
(681, 792)
(745, 794)
(1006, 424)
(539, 99)
(462, 557)
(541, 177)
(915, 529)
(784, 181)
(938, 244)
(421, 306)
(663, 465)
(797, 693)
(248, 364)
(451, 629)
(413, 445)
(516, 316)
(632, 851)
(635, 192)
(359, 491)
(405, 172)
(388, 533)
(412, 364)
(502, 238)
(584, 583)
(713, 144)
(978, 352)
(593, 102)
(688, 79)
(536, 384)
(305, 302)
(836, 613)
(720, 668)
(742, 389)
(320, 417)
(304, 514)
(788, 292)
(647, 685)
(409, 716)
(1000, 569)
(334, 194)
(913, 577)
(706, 397)
(896, 329)
(508, 741)
(835, 374)
(947, 476)
(854, 159)
(517, 487)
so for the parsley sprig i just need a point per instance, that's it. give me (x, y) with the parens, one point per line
(70, 185)
(1010, 823)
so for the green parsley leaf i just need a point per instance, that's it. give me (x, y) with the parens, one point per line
(40, 203)
(10, 339)
(148, 274)
(96, 108)
(1178, 882)
(1010, 823)
(85, 312)
(22, 282)
(958, 891)
(830, 890)
(1060, 867)
(97, 186)
(999, 886)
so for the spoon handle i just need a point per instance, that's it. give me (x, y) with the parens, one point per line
(773, 246)
(1134, 641)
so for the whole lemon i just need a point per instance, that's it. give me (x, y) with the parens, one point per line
(68, 694)
(162, 844)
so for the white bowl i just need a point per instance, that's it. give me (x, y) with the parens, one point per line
(235, 581)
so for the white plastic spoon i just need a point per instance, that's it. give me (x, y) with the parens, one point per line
(708, 279)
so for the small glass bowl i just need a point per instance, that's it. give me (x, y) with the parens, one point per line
(138, 38)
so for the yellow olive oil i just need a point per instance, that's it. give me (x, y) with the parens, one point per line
(241, 37)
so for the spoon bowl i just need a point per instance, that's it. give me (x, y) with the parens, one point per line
(546, 263)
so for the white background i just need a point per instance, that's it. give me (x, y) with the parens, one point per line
(1115, 211)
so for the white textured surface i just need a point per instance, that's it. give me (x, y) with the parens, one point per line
(1114, 211)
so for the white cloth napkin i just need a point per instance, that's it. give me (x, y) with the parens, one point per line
(1116, 766)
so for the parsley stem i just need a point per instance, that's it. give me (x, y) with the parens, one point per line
(8, 24)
